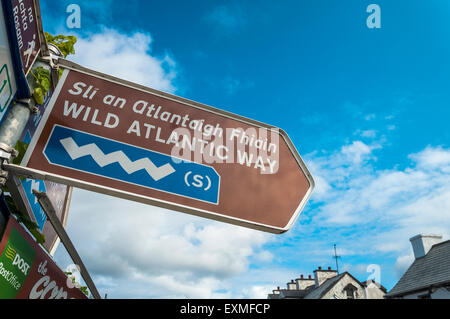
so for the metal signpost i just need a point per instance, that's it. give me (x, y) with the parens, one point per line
(50, 212)
(22, 41)
(111, 136)
(22, 191)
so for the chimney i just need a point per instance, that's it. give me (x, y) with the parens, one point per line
(421, 244)
(303, 283)
(277, 291)
(291, 285)
(320, 276)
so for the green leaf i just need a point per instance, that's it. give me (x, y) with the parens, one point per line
(25, 220)
(42, 84)
(21, 147)
(45, 82)
(64, 43)
(12, 206)
(38, 96)
(84, 290)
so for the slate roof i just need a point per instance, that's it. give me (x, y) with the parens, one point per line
(368, 282)
(433, 269)
(296, 294)
(291, 293)
(318, 292)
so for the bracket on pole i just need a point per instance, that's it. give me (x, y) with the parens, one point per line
(6, 155)
(49, 210)
(54, 53)
(30, 103)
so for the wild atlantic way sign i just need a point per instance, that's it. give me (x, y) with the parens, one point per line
(118, 138)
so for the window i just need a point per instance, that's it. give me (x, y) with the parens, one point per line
(350, 291)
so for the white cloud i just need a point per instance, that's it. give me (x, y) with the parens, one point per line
(357, 152)
(391, 127)
(181, 288)
(264, 256)
(384, 208)
(128, 57)
(228, 18)
(179, 254)
(402, 264)
(369, 133)
(433, 158)
(257, 292)
(232, 85)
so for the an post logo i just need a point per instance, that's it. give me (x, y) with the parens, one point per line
(10, 253)
(20, 263)
(15, 264)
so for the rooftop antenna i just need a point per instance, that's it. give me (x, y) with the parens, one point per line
(336, 257)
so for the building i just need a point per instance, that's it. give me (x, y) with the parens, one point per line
(429, 275)
(328, 284)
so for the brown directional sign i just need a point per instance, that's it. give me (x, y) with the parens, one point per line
(26, 21)
(115, 137)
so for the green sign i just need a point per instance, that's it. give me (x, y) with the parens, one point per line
(15, 264)
(6, 92)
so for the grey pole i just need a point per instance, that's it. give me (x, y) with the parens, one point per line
(49, 210)
(10, 132)
(14, 124)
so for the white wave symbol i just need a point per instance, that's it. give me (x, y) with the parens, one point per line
(102, 160)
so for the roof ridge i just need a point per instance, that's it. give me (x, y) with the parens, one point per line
(438, 244)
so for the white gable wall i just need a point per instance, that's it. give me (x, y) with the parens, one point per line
(337, 291)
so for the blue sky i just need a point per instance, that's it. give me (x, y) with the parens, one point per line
(366, 108)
